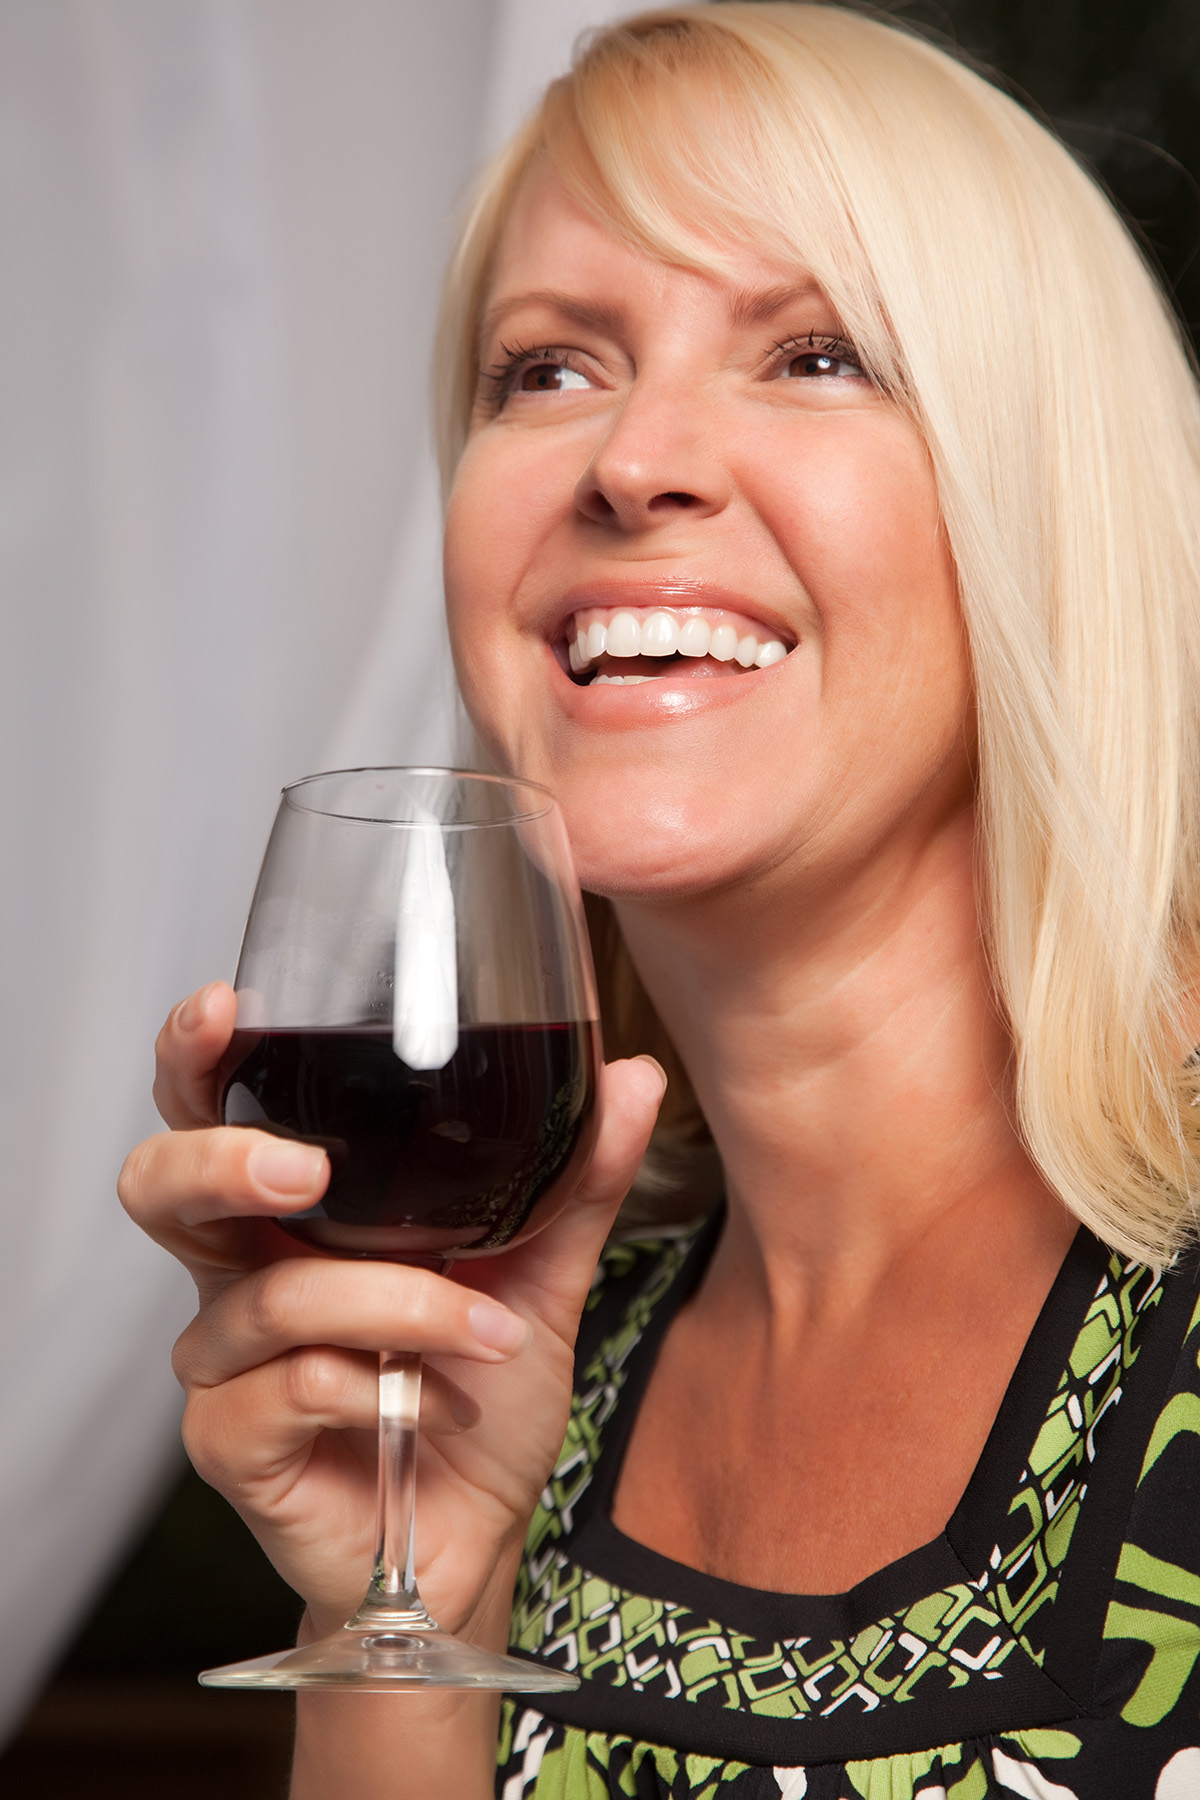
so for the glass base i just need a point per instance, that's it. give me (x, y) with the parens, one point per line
(391, 1662)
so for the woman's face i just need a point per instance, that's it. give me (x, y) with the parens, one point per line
(661, 458)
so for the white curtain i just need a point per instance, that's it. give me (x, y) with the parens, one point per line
(222, 224)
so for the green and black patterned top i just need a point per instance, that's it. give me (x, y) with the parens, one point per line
(1045, 1646)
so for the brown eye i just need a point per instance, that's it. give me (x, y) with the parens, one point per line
(812, 363)
(549, 378)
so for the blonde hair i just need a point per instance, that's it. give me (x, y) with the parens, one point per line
(995, 295)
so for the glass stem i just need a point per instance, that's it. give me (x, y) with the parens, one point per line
(392, 1601)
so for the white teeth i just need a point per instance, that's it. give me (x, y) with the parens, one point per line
(660, 635)
(620, 680)
(723, 644)
(624, 635)
(597, 638)
(695, 635)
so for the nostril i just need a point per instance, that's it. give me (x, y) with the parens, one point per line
(629, 509)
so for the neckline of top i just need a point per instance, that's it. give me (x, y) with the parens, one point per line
(960, 1552)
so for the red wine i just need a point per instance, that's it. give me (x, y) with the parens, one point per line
(424, 1161)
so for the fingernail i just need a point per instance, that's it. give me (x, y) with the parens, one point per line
(191, 1013)
(654, 1064)
(496, 1327)
(286, 1168)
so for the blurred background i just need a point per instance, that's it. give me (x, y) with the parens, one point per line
(222, 224)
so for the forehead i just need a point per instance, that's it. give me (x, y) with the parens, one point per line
(551, 245)
(546, 227)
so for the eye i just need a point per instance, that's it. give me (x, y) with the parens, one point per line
(547, 378)
(529, 369)
(814, 359)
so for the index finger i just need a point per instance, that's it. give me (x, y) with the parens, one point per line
(188, 1055)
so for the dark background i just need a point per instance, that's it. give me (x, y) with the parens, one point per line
(1120, 80)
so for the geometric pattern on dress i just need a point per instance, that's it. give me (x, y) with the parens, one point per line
(963, 1634)
(1023, 1571)
(1155, 1604)
(541, 1760)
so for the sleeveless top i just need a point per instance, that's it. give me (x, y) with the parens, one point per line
(1044, 1646)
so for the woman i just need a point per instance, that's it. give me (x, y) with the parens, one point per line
(822, 528)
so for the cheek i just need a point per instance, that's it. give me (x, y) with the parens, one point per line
(475, 549)
(482, 554)
(510, 491)
(859, 522)
(862, 531)
(501, 518)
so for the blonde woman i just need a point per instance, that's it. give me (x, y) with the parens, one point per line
(823, 495)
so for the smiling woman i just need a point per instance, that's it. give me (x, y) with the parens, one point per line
(1062, 474)
(699, 476)
(823, 527)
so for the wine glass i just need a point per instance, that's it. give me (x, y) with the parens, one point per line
(415, 994)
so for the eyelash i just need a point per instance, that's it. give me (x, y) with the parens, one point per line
(838, 349)
(513, 357)
(495, 381)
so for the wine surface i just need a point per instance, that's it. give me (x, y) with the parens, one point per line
(423, 1161)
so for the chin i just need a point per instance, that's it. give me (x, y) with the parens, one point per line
(625, 857)
(643, 823)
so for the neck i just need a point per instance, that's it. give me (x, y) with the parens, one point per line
(854, 1068)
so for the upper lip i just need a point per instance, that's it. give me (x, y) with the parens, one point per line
(672, 593)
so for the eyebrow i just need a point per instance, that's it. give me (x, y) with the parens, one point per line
(595, 315)
(755, 306)
(749, 306)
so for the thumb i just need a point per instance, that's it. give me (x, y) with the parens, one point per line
(631, 1093)
(556, 1266)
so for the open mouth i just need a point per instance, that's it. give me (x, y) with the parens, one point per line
(619, 646)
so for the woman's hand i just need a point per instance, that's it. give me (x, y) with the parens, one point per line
(280, 1363)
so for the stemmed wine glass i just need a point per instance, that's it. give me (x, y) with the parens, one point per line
(415, 994)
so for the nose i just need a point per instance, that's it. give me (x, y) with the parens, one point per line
(656, 461)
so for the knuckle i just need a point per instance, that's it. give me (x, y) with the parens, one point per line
(205, 1159)
(275, 1299)
(166, 1036)
(165, 1057)
(184, 1358)
(132, 1181)
(217, 1161)
(265, 1310)
(162, 1095)
(173, 1163)
(424, 1300)
(200, 1440)
(317, 1381)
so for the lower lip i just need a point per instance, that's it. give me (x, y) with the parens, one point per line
(661, 698)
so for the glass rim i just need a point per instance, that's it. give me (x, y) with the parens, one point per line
(549, 805)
